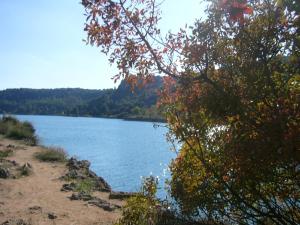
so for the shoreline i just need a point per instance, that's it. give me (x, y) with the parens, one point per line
(137, 119)
(39, 198)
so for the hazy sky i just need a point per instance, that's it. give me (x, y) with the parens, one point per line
(41, 43)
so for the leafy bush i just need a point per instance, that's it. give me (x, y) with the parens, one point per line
(12, 128)
(142, 208)
(52, 154)
(145, 209)
(17, 132)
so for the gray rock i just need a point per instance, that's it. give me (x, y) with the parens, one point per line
(74, 174)
(68, 187)
(102, 185)
(26, 169)
(11, 146)
(16, 222)
(35, 209)
(78, 164)
(52, 216)
(103, 204)
(81, 196)
(4, 173)
(95, 201)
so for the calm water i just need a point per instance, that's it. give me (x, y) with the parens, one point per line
(119, 151)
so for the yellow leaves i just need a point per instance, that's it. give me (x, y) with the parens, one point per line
(294, 83)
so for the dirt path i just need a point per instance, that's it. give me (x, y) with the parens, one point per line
(37, 198)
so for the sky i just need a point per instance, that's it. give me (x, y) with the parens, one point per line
(41, 43)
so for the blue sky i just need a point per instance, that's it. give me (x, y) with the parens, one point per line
(41, 43)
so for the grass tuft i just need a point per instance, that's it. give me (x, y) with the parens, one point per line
(52, 154)
(85, 186)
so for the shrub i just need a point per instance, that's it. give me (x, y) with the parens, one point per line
(52, 154)
(28, 126)
(142, 208)
(12, 128)
(17, 132)
(9, 119)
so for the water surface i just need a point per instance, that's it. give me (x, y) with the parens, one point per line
(120, 151)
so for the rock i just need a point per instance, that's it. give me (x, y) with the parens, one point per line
(11, 146)
(74, 174)
(102, 185)
(103, 204)
(14, 162)
(26, 169)
(15, 222)
(81, 196)
(35, 209)
(68, 187)
(121, 195)
(78, 164)
(4, 173)
(94, 201)
(52, 216)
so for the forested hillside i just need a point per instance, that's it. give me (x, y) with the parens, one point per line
(117, 103)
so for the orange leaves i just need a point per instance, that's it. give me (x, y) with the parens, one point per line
(236, 9)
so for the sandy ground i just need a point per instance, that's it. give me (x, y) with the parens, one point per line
(32, 198)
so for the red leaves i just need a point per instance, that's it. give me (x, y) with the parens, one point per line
(236, 9)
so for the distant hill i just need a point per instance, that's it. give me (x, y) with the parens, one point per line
(115, 103)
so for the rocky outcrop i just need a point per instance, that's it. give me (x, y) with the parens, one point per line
(80, 170)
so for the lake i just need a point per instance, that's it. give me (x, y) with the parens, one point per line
(119, 151)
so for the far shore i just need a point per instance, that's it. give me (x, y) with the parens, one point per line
(141, 119)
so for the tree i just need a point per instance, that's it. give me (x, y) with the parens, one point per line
(231, 97)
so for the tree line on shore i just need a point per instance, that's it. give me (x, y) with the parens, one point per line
(122, 102)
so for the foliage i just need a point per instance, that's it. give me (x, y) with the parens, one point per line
(12, 128)
(119, 102)
(52, 154)
(231, 97)
(142, 209)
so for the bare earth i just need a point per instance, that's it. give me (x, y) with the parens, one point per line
(33, 198)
